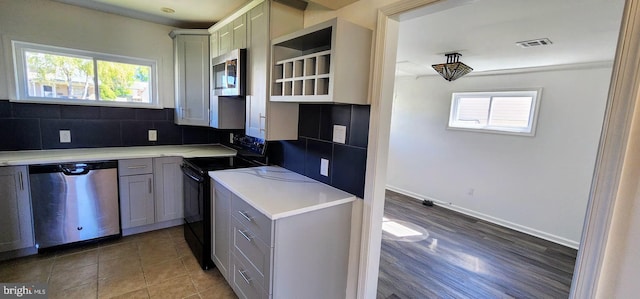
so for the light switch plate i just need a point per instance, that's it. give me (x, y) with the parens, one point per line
(65, 136)
(339, 134)
(324, 167)
(153, 135)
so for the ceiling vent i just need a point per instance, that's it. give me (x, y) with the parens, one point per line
(534, 43)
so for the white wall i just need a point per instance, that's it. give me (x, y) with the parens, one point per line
(53, 23)
(539, 185)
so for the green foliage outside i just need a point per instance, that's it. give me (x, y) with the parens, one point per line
(115, 79)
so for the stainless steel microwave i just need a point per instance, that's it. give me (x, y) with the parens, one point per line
(228, 75)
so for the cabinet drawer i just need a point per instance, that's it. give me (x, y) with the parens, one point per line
(244, 280)
(135, 166)
(252, 219)
(256, 252)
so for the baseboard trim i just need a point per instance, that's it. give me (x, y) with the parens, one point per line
(517, 227)
(151, 227)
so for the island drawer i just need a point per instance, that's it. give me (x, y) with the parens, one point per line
(256, 252)
(252, 219)
(135, 166)
(244, 280)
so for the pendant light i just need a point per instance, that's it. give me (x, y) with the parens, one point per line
(453, 69)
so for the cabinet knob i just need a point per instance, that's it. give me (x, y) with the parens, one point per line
(79, 228)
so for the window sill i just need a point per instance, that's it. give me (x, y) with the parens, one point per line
(89, 103)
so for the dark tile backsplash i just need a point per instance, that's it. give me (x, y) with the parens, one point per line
(347, 162)
(36, 126)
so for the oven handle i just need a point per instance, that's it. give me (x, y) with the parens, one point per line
(189, 173)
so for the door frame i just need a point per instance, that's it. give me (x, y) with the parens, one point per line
(608, 174)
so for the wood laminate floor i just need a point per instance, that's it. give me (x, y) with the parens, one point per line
(446, 254)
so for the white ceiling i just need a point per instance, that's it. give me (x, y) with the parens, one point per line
(188, 13)
(485, 33)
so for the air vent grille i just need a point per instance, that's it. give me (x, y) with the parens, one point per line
(534, 43)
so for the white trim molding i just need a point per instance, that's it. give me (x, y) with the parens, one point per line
(623, 95)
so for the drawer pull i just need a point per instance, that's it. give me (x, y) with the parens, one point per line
(245, 235)
(248, 280)
(244, 214)
(137, 166)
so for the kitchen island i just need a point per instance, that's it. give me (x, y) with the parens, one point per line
(278, 234)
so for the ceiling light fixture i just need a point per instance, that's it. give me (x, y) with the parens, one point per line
(453, 69)
(167, 10)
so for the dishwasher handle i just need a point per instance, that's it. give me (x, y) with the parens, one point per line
(75, 169)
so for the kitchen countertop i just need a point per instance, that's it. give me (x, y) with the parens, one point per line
(10, 158)
(278, 192)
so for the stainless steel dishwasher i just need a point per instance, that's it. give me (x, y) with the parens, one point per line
(74, 202)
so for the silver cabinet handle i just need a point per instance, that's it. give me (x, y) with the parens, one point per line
(245, 235)
(245, 216)
(260, 121)
(150, 191)
(248, 280)
(137, 167)
(21, 181)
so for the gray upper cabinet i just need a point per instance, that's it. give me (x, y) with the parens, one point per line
(225, 39)
(252, 27)
(239, 32)
(191, 50)
(15, 209)
(265, 119)
(213, 48)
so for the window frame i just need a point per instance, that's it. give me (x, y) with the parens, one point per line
(20, 48)
(530, 130)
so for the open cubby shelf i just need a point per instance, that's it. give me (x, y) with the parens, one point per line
(326, 62)
(306, 75)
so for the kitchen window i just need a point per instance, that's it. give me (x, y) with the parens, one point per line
(47, 74)
(508, 112)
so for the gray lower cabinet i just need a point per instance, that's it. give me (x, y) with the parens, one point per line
(15, 209)
(221, 231)
(150, 191)
(300, 256)
(136, 192)
(168, 188)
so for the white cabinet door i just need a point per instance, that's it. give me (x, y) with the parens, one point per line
(213, 48)
(221, 208)
(225, 40)
(192, 79)
(168, 188)
(258, 53)
(239, 32)
(16, 225)
(136, 200)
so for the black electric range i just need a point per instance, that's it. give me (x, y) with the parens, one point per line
(197, 192)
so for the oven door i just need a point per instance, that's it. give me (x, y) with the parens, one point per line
(193, 200)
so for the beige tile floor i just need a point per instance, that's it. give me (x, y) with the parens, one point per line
(156, 264)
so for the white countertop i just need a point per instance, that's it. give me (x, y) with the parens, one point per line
(278, 192)
(112, 153)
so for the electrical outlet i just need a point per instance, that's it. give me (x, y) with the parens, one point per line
(230, 137)
(65, 136)
(324, 167)
(153, 135)
(339, 134)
